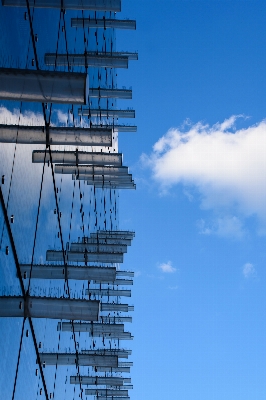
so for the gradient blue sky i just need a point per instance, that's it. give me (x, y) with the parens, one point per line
(200, 329)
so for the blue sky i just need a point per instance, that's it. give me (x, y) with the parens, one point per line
(199, 209)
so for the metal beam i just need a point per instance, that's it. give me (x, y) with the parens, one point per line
(94, 5)
(103, 23)
(57, 135)
(88, 60)
(104, 113)
(98, 380)
(79, 359)
(55, 271)
(48, 307)
(98, 248)
(116, 307)
(121, 353)
(119, 128)
(90, 170)
(57, 255)
(125, 94)
(43, 86)
(78, 157)
(108, 292)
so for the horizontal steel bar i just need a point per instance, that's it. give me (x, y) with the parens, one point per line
(54, 255)
(119, 353)
(124, 387)
(114, 234)
(122, 282)
(78, 157)
(90, 169)
(118, 128)
(105, 392)
(118, 369)
(47, 307)
(103, 113)
(108, 292)
(109, 241)
(88, 60)
(114, 320)
(98, 248)
(125, 94)
(94, 5)
(110, 331)
(97, 380)
(79, 359)
(102, 274)
(90, 327)
(111, 185)
(125, 273)
(43, 86)
(57, 136)
(103, 23)
(103, 178)
(116, 307)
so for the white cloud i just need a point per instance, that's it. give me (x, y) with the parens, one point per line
(225, 165)
(173, 287)
(249, 271)
(227, 226)
(167, 267)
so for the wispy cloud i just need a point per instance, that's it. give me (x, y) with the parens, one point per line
(225, 165)
(173, 287)
(249, 271)
(167, 267)
(225, 226)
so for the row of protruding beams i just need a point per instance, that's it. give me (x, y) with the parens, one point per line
(99, 247)
(83, 166)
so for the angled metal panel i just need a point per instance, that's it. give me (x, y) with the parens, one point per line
(114, 320)
(79, 359)
(57, 136)
(108, 292)
(125, 94)
(118, 369)
(90, 327)
(98, 248)
(46, 307)
(78, 157)
(116, 307)
(43, 86)
(121, 353)
(94, 5)
(90, 170)
(89, 60)
(125, 273)
(104, 113)
(121, 234)
(57, 255)
(89, 273)
(119, 128)
(116, 185)
(103, 23)
(105, 392)
(97, 380)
